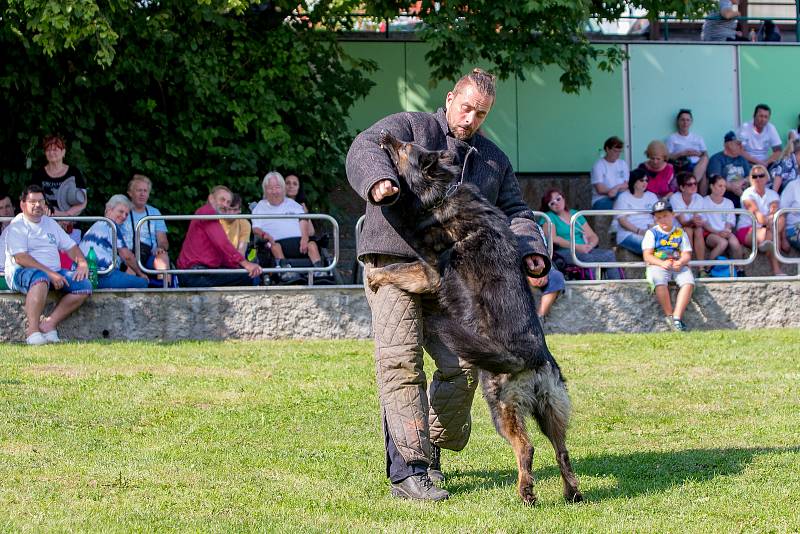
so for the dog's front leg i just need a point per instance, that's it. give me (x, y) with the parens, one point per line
(414, 277)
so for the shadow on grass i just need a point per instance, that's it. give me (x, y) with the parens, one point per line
(635, 473)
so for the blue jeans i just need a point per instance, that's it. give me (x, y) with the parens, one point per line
(116, 279)
(604, 203)
(633, 243)
(793, 235)
(25, 278)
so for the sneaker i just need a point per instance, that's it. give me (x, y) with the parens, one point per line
(740, 273)
(678, 325)
(766, 246)
(418, 487)
(37, 338)
(51, 336)
(435, 469)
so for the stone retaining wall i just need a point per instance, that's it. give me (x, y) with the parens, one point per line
(342, 313)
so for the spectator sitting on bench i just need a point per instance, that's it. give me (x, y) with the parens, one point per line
(609, 175)
(790, 224)
(154, 242)
(33, 242)
(554, 205)
(660, 174)
(718, 227)
(692, 223)
(687, 150)
(237, 230)
(667, 253)
(631, 228)
(762, 202)
(207, 247)
(730, 163)
(294, 190)
(6, 210)
(287, 238)
(99, 237)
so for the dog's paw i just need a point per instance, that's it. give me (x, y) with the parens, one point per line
(375, 281)
(528, 496)
(574, 497)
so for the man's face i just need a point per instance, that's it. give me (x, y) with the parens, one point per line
(139, 193)
(220, 201)
(664, 220)
(33, 206)
(733, 147)
(6, 207)
(466, 111)
(761, 118)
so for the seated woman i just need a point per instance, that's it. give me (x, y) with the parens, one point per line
(762, 203)
(287, 238)
(786, 169)
(660, 174)
(692, 223)
(609, 175)
(687, 151)
(790, 225)
(718, 227)
(294, 190)
(631, 228)
(554, 204)
(99, 238)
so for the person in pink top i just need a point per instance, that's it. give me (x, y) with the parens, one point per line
(207, 247)
(660, 174)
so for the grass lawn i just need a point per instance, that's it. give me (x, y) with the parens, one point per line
(670, 433)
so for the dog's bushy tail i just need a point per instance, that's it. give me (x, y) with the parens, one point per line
(475, 349)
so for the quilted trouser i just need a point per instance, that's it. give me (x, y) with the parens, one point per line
(411, 420)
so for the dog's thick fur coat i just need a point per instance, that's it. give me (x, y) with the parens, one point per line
(469, 259)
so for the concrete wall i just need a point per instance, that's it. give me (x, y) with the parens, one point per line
(342, 312)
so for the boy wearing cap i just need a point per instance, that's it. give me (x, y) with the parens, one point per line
(666, 251)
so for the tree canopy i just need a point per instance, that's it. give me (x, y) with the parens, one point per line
(198, 92)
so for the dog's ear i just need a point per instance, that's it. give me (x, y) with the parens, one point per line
(446, 157)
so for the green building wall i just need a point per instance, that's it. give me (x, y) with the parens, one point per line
(546, 131)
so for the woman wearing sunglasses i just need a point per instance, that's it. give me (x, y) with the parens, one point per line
(687, 198)
(762, 202)
(631, 228)
(554, 205)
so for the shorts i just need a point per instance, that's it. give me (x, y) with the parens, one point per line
(659, 276)
(741, 235)
(291, 247)
(27, 277)
(555, 282)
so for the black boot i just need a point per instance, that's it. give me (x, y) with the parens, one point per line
(418, 487)
(435, 469)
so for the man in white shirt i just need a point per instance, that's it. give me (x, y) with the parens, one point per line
(760, 139)
(32, 265)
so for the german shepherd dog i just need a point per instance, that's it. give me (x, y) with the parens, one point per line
(468, 257)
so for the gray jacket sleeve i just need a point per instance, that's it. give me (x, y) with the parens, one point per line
(530, 239)
(367, 163)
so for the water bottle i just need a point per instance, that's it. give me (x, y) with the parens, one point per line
(91, 260)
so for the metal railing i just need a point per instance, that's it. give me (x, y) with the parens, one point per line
(81, 218)
(303, 216)
(540, 215)
(776, 238)
(600, 265)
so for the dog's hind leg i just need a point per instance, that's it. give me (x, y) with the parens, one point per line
(510, 423)
(414, 277)
(552, 414)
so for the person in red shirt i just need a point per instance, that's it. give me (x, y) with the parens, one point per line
(660, 174)
(207, 247)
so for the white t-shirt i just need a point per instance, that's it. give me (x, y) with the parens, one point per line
(770, 196)
(678, 143)
(790, 198)
(279, 228)
(759, 145)
(717, 221)
(608, 174)
(3, 251)
(678, 204)
(41, 240)
(626, 201)
(649, 241)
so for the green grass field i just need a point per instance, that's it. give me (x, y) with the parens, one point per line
(670, 433)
